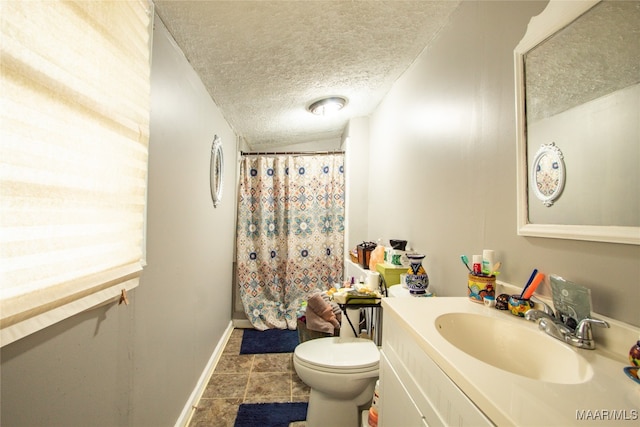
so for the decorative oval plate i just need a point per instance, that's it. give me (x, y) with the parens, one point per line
(548, 174)
(632, 372)
(216, 170)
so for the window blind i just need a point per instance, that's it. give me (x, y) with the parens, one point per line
(74, 111)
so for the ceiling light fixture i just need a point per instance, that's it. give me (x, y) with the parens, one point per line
(326, 106)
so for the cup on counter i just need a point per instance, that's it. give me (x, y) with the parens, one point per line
(480, 286)
(489, 301)
(518, 306)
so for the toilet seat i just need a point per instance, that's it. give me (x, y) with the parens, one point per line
(335, 354)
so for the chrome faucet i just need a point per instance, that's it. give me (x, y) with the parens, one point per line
(535, 315)
(545, 307)
(556, 329)
(581, 336)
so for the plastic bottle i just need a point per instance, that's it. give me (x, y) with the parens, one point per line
(487, 260)
(477, 264)
(373, 411)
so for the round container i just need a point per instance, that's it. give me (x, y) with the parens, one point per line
(398, 244)
(502, 302)
(480, 286)
(489, 301)
(403, 280)
(519, 306)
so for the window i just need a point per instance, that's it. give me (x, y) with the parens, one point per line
(74, 131)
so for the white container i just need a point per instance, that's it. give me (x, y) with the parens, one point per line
(403, 280)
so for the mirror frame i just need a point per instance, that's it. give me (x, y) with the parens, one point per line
(216, 171)
(557, 15)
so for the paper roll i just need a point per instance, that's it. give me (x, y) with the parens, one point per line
(373, 281)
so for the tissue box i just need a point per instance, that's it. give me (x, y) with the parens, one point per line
(391, 273)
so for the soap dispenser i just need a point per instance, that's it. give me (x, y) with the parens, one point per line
(634, 354)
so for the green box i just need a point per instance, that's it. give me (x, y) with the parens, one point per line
(391, 273)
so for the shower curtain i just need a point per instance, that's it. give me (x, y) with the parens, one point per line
(290, 233)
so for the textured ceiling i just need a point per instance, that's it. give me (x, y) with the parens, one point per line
(264, 62)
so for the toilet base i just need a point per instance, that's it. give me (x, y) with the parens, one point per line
(325, 411)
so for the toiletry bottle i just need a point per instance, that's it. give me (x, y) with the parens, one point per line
(477, 264)
(373, 411)
(487, 261)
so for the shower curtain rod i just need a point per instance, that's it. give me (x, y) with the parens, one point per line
(289, 153)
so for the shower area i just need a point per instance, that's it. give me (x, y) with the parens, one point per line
(289, 234)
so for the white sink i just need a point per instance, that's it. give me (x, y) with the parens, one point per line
(514, 348)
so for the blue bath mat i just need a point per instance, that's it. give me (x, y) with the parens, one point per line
(270, 414)
(269, 341)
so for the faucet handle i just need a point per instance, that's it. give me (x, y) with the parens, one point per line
(583, 330)
(545, 306)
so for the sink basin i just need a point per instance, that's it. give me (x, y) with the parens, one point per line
(514, 348)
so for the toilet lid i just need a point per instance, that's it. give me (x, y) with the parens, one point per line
(339, 353)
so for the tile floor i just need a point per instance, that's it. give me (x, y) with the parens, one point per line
(247, 378)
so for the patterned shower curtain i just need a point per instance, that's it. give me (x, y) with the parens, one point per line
(290, 233)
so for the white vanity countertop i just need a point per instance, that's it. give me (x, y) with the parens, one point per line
(510, 399)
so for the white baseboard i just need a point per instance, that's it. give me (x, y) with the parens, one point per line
(196, 394)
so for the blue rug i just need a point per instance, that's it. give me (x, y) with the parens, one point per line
(269, 341)
(270, 414)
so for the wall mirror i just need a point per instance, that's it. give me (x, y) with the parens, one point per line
(578, 88)
(216, 171)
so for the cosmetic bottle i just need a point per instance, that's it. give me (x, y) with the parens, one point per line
(487, 260)
(477, 264)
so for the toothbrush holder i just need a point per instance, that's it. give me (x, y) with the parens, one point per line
(480, 286)
(518, 306)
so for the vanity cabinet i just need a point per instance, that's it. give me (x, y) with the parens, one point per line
(425, 379)
(403, 410)
(414, 391)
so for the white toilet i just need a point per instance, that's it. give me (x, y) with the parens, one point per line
(341, 373)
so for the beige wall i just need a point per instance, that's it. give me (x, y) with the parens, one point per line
(184, 303)
(137, 365)
(442, 171)
(356, 145)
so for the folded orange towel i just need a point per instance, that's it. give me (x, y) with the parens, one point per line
(320, 315)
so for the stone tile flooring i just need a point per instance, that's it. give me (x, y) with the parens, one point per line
(247, 378)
